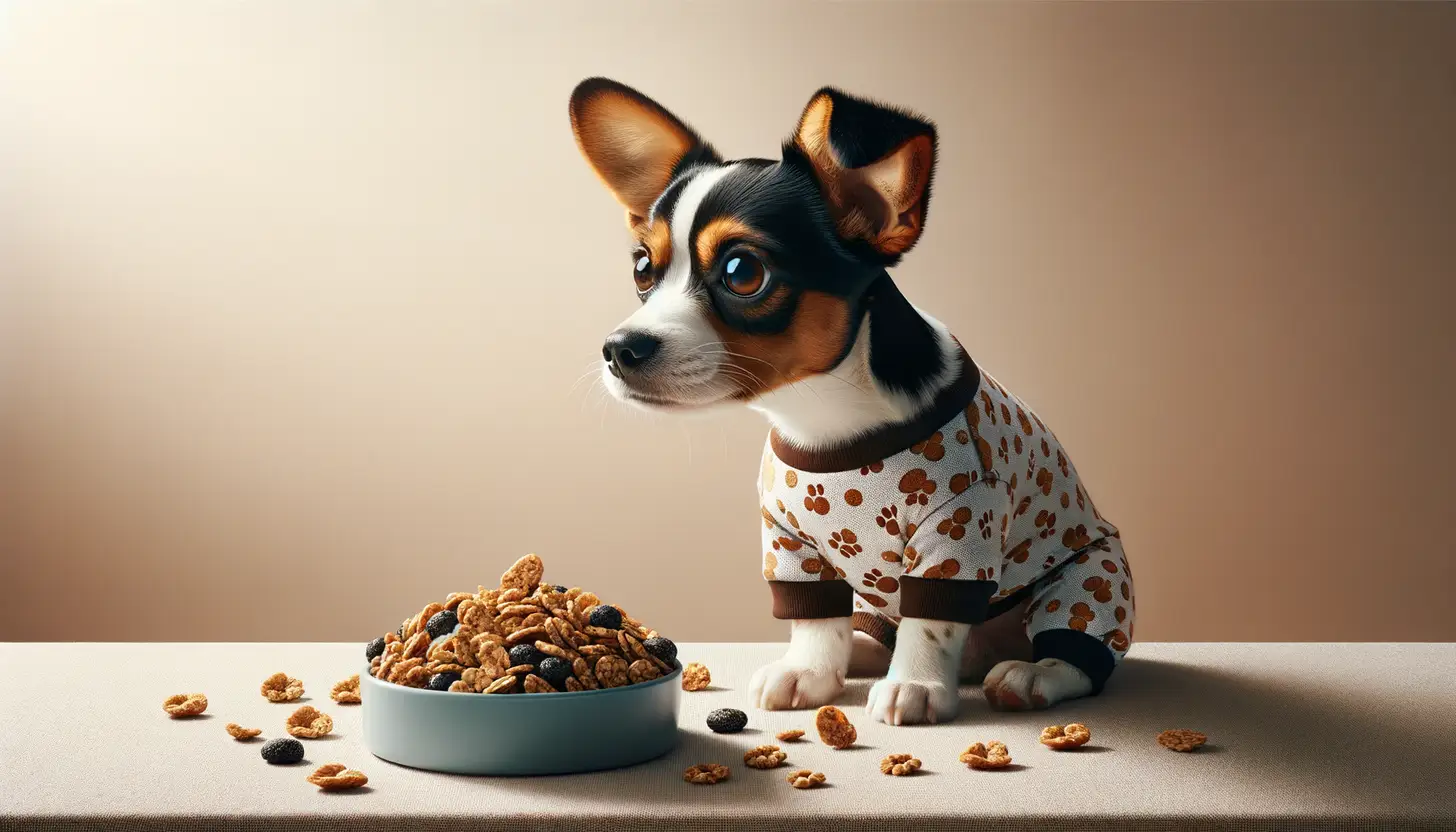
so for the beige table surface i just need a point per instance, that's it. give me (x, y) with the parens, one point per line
(1301, 736)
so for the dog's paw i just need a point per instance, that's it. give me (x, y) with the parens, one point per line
(786, 685)
(1023, 686)
(907, 702)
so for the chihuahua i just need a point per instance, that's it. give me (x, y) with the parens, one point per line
(919, 522)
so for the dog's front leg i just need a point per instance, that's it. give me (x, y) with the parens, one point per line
(923, 680)
(812, 671)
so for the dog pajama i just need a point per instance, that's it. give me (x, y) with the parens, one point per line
(962, 515)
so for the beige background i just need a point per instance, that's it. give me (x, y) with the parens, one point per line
(295, 298)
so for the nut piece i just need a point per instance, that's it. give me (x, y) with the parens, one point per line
(834, 727)
(281, 688)
(791, 735)
(185, 704)
(643, 670)
(1182, 739)
(525, 574)
(347, 691)
(335, 776)
(706, 774)
(696, 677)
(987, 757)
(899, 765)
(764, 756)
(535, 684)
(504, 684)
(309, 722)
(238, 732)
(612, 671)
(1064, 737)
(805, 779)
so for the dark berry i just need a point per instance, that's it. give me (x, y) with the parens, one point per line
(605, 616)
(442, 623)
(560, 588)
(554, 670)
(442, 681)
(283, 751)
(727, 720)
(374, 649)
(526, 654)
(661, 648)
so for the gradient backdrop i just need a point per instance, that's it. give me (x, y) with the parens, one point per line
(297, 299)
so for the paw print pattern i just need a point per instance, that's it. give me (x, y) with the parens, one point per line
(989, 406)
(768, 520)
(917, 486)
(1019, 552)
(1016, 445)
(1044, 481)
(1081, 501)
(1053, 605)
(954, 526)
(1047, 522)
(823, 568)
(1117, 640)
(932, 448)
(816, 502)
(872, 468)
(960, 482)
(1023, 421)
(1066, 500)
(911, 559)
(987, 523)
(1062, 463)
(1081, 616)
(963, 436)
(880, 582)
(872, 599)
(889, 520)
(1076, 537)
(948, 568)
(770, 565)
(1005, 414)
(890, 557)
(1101, 588)
(791, 478)
(1109, 567)
(845, 542)
(787, 544)
(1004, 451)
(986, 573)
(1022, 506)
(853, 497)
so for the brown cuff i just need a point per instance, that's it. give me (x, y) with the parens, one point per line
(877, 628)
(940, 599)
(812, 599)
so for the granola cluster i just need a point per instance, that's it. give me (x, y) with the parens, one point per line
(579, 642)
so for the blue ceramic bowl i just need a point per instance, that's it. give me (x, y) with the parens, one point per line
(518, 734)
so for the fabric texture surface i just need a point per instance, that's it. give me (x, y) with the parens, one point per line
(1301, 736)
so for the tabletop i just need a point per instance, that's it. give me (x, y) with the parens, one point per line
(1313, 736)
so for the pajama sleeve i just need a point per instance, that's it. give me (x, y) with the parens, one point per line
(804, 584)
(953, 557)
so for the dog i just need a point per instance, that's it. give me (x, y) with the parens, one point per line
(919, 522)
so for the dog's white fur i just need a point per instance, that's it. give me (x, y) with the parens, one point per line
(923, 673)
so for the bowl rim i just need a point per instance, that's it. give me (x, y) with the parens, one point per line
(556, 696)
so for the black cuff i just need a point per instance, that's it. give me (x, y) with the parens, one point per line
(1077, 649)
(812, 599)
(941, 599)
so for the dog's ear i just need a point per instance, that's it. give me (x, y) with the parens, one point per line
(874, 164)
(633, 143)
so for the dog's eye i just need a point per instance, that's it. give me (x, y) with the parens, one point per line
(744, 275)
(642, 270)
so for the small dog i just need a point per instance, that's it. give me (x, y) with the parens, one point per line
(919, 521)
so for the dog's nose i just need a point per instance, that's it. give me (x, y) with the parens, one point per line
(628, 349)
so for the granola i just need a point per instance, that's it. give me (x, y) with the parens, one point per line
(1064, 737)
(706, 774)
(185, 704)
(834, 727)
(791, 735)
(280, 687)
(696, 677)
(806, 779)
(899, 765)
(347, 691)
(309, 722)
(335, 776)
(1182, 739)
(238, 732)
(987, 756)
(764, 756)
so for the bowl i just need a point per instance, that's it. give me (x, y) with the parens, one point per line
(520, 733)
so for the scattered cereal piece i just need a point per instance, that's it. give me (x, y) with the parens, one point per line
(185, 704)
(535, 684)
(706, 774)
(335, 777)
(805, 779)
(238, 732)
(280, 687)
(1182, 739)
(504, 684)
(309, 722)
(696, 677)
(525, 574)
(834, 727)
(987, 757)
(1064, 737)
(791, 735)
(764, 756)
(347, 691)
(899, 765)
